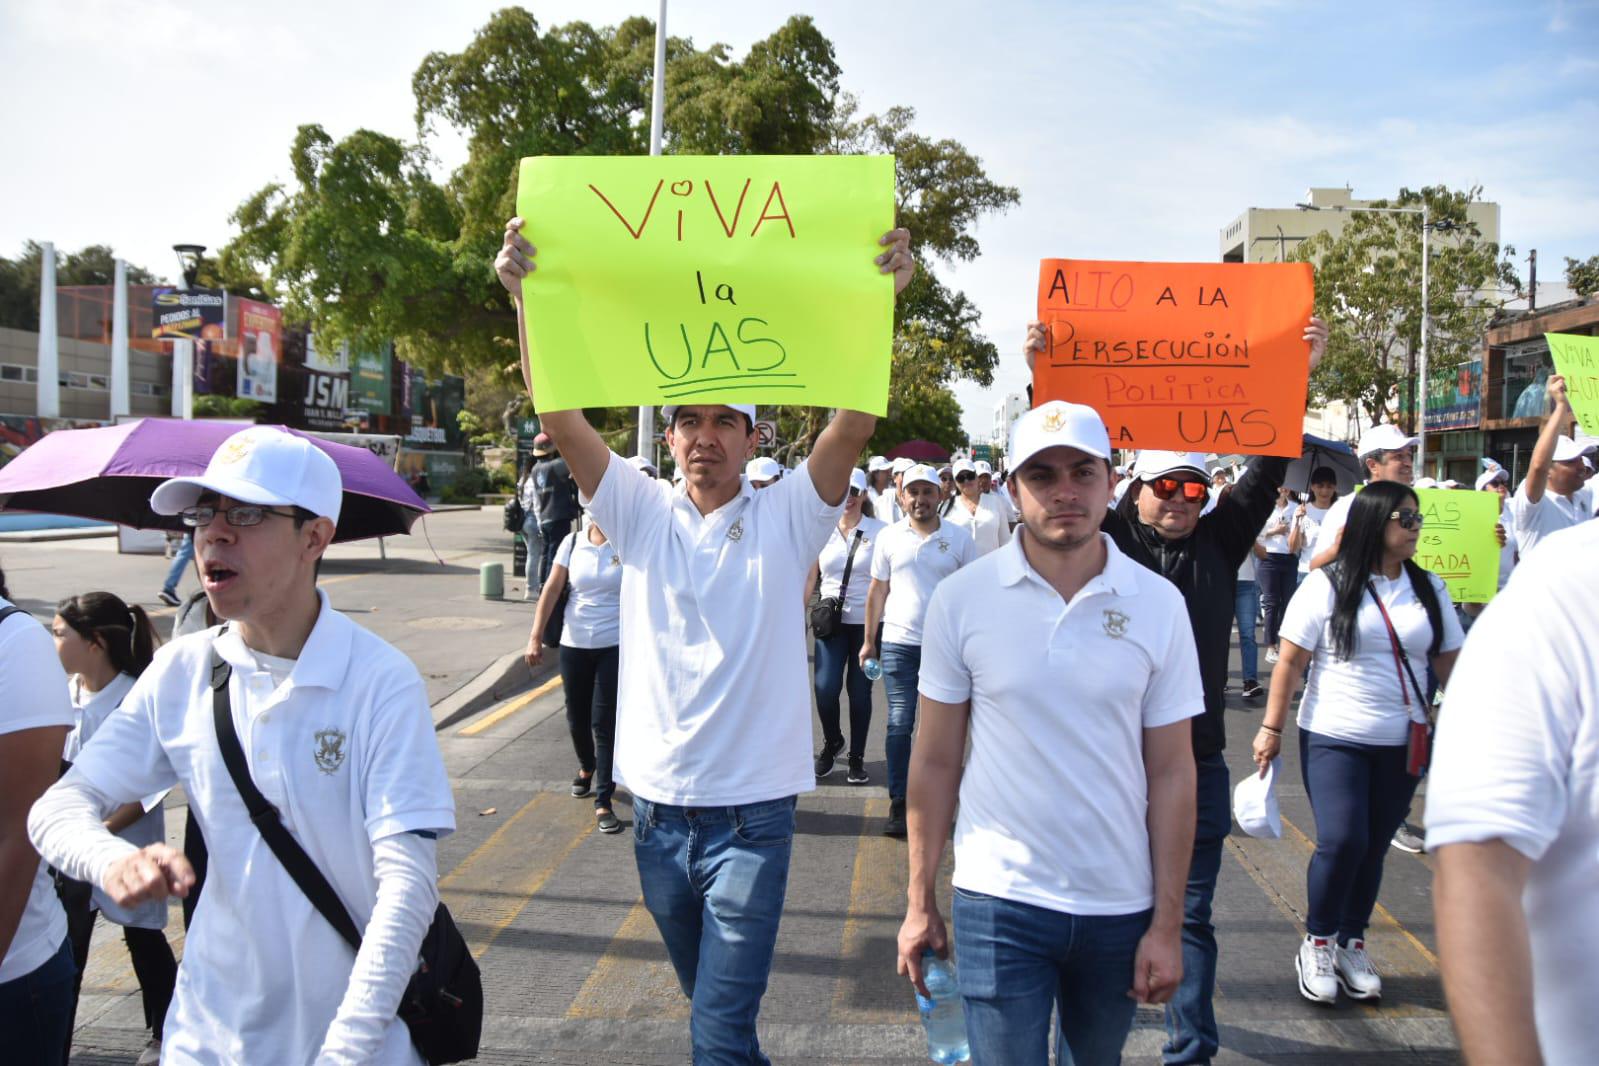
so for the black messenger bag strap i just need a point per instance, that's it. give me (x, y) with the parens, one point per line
(299, 865)
(849, 564)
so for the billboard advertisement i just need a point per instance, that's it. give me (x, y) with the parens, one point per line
(192, 314)
(369, 381)
(260, 341)
(327, 385)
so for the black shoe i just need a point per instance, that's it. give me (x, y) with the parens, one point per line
(895, 826)
(607, 822)
(1253, 691)
(1407, 839)
(826, 757)
(857, 770)
(169, 598)
(582, 786)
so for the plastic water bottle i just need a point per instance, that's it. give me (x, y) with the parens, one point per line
(942, 1016)
(873, 670)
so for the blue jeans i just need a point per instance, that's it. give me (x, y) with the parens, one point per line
(36, 1011)
(1246, 607)
(1359, 793)
(1278, 574)
(714, 879)
(1190, 1017)
(901, 665)
(180, 561)
(1016, 961)
(838, 665)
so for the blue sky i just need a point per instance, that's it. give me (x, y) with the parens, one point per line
(1133, 130)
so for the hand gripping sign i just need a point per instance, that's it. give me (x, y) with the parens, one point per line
(1194, 357)
(710, 279)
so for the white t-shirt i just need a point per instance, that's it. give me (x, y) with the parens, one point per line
(1277, 543)
(913, 566)
(1535, 521)
(1512, 549)
(714, 706)
(1332, 523)
(830, 565)
(989, 525)
(345, 750)
(594, 604)
(91, 710)
(1360, 699)
(886, 505)
(1517, 759)
(1061, 694)
(33, 695)
(1311, 525)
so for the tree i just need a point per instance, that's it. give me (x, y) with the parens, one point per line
(1583, 275)
(366, 246)
(1368, 288)
(21, 278)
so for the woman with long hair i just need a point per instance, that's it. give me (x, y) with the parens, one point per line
(587, 569)
(1374, 621)
(837, 660)
(105, 645)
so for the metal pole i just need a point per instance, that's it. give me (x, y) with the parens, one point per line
(121, 403)
(646, 415)
(1421, 403)
(48, 361)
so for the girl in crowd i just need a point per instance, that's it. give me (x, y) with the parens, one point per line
(977, 510)
(837, 664)
(105, 645)
(1308, 517)
(1374, 621)
(1278, 570)
(587, 569)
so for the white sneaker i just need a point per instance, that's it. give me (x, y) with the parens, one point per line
(1356, 975)
(1271, 655)
(151, 1055)
(1315, 966)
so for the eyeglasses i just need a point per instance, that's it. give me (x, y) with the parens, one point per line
(244, 514)
(854, 492)
(1166, 487)
(1408, 519)
(965, 475)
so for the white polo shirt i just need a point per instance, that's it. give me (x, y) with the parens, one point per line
(594, 602)
(33, 695)
(345, 750)
(913, 565)
(1311, 526)
(1535, 521)
(830, 566)
(714, 704)
(1332, 523)
(1060, 696)
(886, 504)
(1517, 759)
(989, 525)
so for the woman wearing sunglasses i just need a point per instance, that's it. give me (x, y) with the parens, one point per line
(1374, 621)
(977, 510)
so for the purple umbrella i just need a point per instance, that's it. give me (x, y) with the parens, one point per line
(108, 473)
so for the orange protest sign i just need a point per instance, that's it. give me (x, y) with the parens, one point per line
(1195, 357)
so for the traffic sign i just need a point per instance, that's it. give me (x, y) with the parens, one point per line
(766, 434)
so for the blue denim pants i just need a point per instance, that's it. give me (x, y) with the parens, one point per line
(838, 667)
(902, 663)
(180, 562)
(714, 881)
(1191, 1035)
(36, 1012)
(1016, 961)
(1246, 608)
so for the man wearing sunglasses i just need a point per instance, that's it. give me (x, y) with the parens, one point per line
(335, 732)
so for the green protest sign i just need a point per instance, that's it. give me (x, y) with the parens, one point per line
(1458, 542)
(1577, 360)
(710, 279)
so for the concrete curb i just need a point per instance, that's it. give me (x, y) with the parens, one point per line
(34, 536)
(501, 679)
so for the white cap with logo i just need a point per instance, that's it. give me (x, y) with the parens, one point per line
(1151, 464)
(961, 466)
(1567, 449)
(763, 468)
(261, 465)
(876, 463)
(902, 464)
(982, 467)
(857, 480)
(919, 472)
(1057, 424)
(745, 409)
(1384, 438)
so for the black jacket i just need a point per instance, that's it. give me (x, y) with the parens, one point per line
(1204, 567)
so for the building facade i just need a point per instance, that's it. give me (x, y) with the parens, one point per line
(1271, 234)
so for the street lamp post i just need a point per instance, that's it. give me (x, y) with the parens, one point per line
(646, 415)
(183, 348)
(1421, 368)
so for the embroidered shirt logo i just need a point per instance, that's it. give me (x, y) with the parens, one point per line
(329, 750)
(943, 545)
(616, 560)
(736, 530)
(1116, 624)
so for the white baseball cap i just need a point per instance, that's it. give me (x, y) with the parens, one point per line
(982, 467)
(638, 462)
(1384, 438)
(261, 465)
(1567, 449)
(1488, 477)
(1057, 424)
(1425, 483)
(1150, 464)
(876, 463)
(962, 465)
(745, 409)
(763, 468)
(920, 472)
(902, 464)
(857, 480)
(1255, 804)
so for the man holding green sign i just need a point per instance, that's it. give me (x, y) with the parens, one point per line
(713, 714)
(1548, 500)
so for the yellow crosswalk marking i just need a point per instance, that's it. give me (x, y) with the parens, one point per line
(620, 986)
(509, 708)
